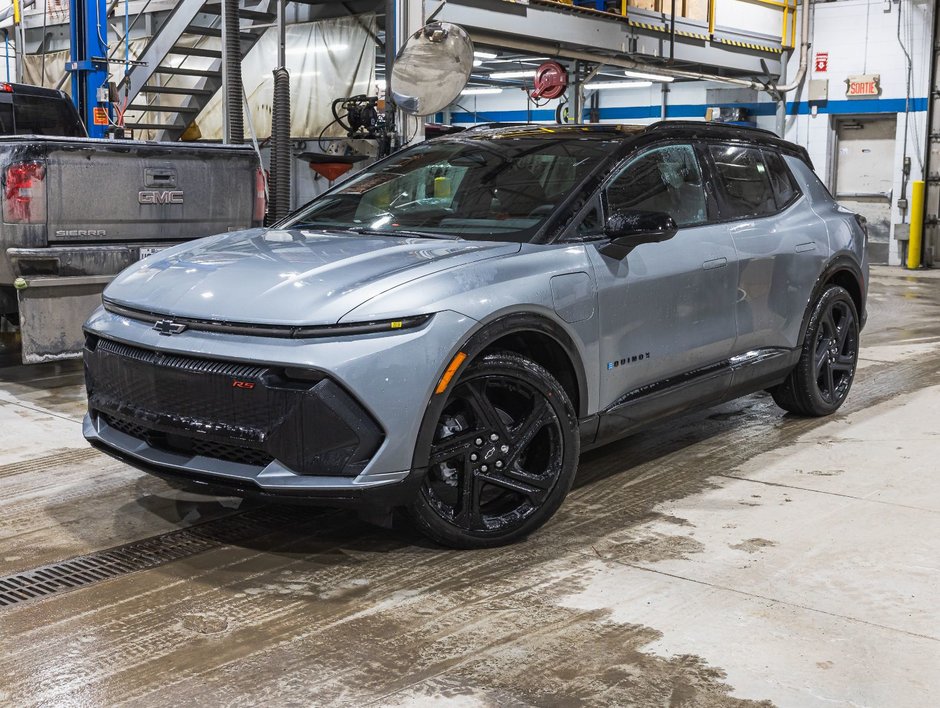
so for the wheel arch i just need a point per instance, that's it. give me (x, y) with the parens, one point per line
(846, 273)
(527, 333)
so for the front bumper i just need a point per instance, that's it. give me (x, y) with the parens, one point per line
(375, 385)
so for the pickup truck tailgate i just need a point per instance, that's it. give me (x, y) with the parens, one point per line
(132, 192)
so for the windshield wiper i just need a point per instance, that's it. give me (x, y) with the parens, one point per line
(399, 232)
(364, 230)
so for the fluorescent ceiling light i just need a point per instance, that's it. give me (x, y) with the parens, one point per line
(479, 91)
(651, 77)
(485, 55)
(598, 85)
(522, 74)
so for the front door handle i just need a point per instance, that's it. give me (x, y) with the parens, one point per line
(715, 263)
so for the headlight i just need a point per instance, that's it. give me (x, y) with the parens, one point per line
(168, 324)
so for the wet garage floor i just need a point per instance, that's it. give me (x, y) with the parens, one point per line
(740, 556)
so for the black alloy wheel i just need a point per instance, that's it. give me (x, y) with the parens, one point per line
(821, 380)
(502, 457)
(836, 352)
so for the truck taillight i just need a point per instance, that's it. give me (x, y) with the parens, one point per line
(24, 193)
(261, 200)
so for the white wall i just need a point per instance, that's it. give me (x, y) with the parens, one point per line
(861, 38)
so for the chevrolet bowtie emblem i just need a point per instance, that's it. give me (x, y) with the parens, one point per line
(168, 327)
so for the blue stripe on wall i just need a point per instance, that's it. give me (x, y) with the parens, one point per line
(697, 110)
(502, 116)
(858, 105)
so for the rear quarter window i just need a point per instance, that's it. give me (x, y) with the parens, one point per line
(744, 182)
(781, 181)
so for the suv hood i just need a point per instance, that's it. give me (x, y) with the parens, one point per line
(286, 277)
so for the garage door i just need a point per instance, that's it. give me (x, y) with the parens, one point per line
(865, 157)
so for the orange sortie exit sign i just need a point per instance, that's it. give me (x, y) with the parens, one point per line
(863, 85)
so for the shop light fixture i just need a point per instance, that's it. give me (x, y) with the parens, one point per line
(650, 77)
(474, 91)
(485, 55)
(600, 85)
(520, 74)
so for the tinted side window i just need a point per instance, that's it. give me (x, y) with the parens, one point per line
(666, 179)
(781, 180)
(6, 119)
(743, 177)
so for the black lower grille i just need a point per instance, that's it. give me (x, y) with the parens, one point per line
(246, 413)
(127, 427)
(193, 446)
(231, 453)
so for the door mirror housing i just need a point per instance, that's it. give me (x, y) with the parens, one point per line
(628, 229)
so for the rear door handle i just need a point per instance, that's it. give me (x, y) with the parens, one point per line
(715, 263)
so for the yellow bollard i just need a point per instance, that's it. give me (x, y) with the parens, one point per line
(917, 224)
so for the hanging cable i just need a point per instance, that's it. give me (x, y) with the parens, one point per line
(254, 142)
(127, 32)
(45, 14)
(915, 136)
(905, 176)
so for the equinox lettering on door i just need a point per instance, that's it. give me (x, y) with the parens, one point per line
(627, 360)
(160, 196)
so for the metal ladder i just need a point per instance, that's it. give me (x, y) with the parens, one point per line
(158, 70)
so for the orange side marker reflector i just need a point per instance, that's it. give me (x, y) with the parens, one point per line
(455, 363)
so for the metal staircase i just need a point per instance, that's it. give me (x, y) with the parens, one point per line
(180, 69)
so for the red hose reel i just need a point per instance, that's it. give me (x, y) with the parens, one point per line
(551, 80)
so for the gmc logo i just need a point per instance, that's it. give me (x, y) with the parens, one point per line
(158, 196)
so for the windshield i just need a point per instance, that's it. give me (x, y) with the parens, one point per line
(494, 189)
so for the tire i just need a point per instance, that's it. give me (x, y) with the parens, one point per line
(502, 456)
(821, 380)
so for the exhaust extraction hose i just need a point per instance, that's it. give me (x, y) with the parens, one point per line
(280, 146)
(233, 71)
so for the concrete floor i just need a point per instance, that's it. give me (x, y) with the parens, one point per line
(737, 557)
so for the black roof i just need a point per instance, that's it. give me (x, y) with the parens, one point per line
(30, 90)
(682, 129)
(695, 129)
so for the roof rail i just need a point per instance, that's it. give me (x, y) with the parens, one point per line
(666, 124)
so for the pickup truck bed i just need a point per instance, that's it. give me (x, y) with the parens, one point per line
(76, 211)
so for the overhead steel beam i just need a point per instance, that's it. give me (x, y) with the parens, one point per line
(557, 33)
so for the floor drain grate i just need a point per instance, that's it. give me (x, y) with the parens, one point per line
(145, 554)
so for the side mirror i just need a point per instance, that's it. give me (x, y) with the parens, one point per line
(628, 229)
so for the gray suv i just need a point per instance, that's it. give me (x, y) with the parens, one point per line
(448, 330)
